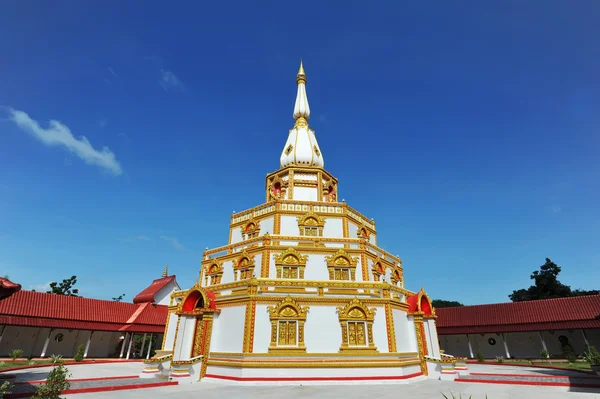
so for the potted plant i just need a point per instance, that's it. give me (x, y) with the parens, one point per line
(593, 358)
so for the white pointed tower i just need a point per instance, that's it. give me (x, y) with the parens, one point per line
(301, 176)
(301, 147)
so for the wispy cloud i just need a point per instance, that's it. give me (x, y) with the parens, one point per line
(176, 244)
(40, 287)
(170, 81)
(58, 134)
(555, 209)
(112, 71)
(140, 237)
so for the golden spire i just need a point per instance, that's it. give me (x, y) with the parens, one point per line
(166, 271)
(301, 76)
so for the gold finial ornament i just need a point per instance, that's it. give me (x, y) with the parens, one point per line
(165, 272)
(301, 76)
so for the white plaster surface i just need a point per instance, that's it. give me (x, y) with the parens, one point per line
(262, 329)
(333, 228)
(266, 226)
(289, 226)
(305, 194)
(322, 331)
(228, 330)
(352, 230)
(405, 332)
(236, 235)
(163, 296)
(380, 330)
(316, 268)
(171, 331)
(227, 272)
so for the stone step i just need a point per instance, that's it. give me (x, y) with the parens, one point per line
(585, 381)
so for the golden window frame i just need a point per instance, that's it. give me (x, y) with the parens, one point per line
(214, 273)
(285, 312)
(245, 265)
(310, 222)
(341, 260)
(290, 258)
(356, 312)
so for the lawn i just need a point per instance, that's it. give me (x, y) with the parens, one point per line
(558, 364)
(19, 363)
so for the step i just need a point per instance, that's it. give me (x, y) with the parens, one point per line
(24, 390)
(584, 381)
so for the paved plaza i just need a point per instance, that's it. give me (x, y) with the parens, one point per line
(425, 389)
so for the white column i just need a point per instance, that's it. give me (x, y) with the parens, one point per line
(87, 345)
(123, 345)
(149, 347)
(505, 346)
(543, 342)
(2, 333)
(587, 343)
(46, 344)
(129, 348)
(470, 347)
(143, 342)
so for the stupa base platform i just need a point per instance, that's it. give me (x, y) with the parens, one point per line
(313, 369)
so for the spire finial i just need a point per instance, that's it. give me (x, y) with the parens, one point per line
(301, 74)
(165, 272)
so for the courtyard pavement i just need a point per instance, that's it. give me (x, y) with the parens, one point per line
(425, 389)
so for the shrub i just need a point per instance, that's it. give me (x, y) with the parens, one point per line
(56, 383)
(592, 356)
(80, 352)
(567, 352)
(15, 354)
(5, 389)
(56, 359)
(544, 354)
(480, 357)
(500, 359)
(30, 357)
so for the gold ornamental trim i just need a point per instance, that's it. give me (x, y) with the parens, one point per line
(312, 363)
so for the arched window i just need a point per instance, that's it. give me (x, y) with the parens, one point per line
(311, 225)
(356, 321)
(290, 264)
(214, 273)
(251, 229)
(378, 271)
(397, 278)
(287, 325)
(243, 267)
(341, 266)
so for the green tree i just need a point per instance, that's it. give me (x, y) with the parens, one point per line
(119, 298)
(546, 285)
(441, 303)
(64, 288)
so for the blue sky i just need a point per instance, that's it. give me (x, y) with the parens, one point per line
(468, 130)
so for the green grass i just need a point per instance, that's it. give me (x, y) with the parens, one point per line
(9, 364)
(562, 365)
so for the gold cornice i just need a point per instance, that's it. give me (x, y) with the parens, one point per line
(370, 354)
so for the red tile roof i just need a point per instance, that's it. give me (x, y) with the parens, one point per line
(148, 294)
(37, 309)
(7, 288)
(546, 314)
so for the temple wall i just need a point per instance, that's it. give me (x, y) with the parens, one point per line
(305, 194)
(266, 226)
(322, 331)
(227, 272)
(171, 332)
(289, 226)
(380, 330)
(333, 228)
(236, 235)
(163, 296)
(262, 329)
(405, 332)
(455, 345)
(432, 338)
(352, 230)
(185, 338)
(373, 239)
(316, 267)
(228, 330)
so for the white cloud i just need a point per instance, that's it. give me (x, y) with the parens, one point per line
(169, 80)
(40, 287)
(142, 237)
(112, 71)
(58, 134)
(173, 242)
